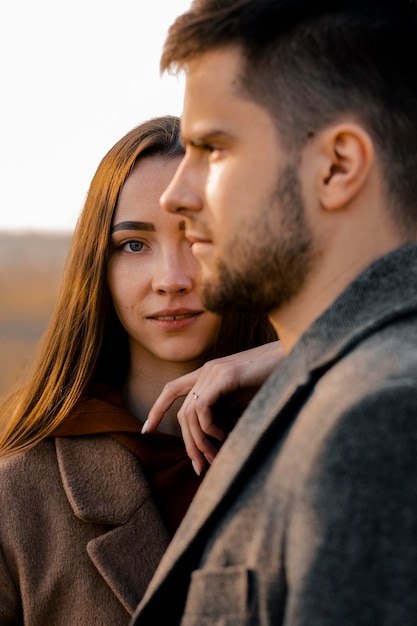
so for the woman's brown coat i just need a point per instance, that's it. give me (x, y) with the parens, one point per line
(80, 536)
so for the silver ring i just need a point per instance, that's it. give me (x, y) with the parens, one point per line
(195, 396)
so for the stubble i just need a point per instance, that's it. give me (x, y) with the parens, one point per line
(269, 262)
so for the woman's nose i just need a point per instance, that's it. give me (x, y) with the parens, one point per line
(173, 275)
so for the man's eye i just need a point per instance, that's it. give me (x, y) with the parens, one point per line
(211, 148)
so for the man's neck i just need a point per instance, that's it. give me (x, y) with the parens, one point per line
(325, 284)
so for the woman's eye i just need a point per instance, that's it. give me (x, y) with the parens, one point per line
(135, 246)
(132, 246)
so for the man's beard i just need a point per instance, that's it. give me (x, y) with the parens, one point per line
(268, 262)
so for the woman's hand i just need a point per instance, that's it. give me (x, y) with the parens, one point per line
(203, 388)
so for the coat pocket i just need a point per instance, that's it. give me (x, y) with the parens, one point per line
(221, 597)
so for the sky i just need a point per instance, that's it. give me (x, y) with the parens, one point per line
(74, 78)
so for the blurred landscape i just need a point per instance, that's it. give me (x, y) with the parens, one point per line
(31, 266)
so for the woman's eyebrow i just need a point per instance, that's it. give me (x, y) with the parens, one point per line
(140, 226)
(133, 226)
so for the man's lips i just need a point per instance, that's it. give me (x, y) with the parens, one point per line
(194, 237)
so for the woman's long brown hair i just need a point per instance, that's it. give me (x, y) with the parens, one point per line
(85, 341)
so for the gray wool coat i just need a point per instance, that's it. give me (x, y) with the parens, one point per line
(80, 536)
(308, 516)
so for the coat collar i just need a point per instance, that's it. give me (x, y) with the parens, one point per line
(128, 554)
(385, 291)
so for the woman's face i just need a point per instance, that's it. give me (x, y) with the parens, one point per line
(152, 272)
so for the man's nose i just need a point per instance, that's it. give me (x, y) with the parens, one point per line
(182, 194)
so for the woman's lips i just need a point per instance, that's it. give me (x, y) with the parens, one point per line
(181, 316)
(177, 321)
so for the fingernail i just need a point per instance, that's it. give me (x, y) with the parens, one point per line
(195, 468)
(145, 427)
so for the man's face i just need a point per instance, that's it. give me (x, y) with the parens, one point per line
(240, 193)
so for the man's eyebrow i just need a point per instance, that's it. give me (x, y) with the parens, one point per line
(133, 226)
(200, 140)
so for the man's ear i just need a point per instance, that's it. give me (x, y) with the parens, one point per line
(346, 158)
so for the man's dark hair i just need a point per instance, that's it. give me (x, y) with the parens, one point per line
(311, 62)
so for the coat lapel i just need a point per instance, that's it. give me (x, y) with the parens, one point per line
(251, 430)
(127, 555)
